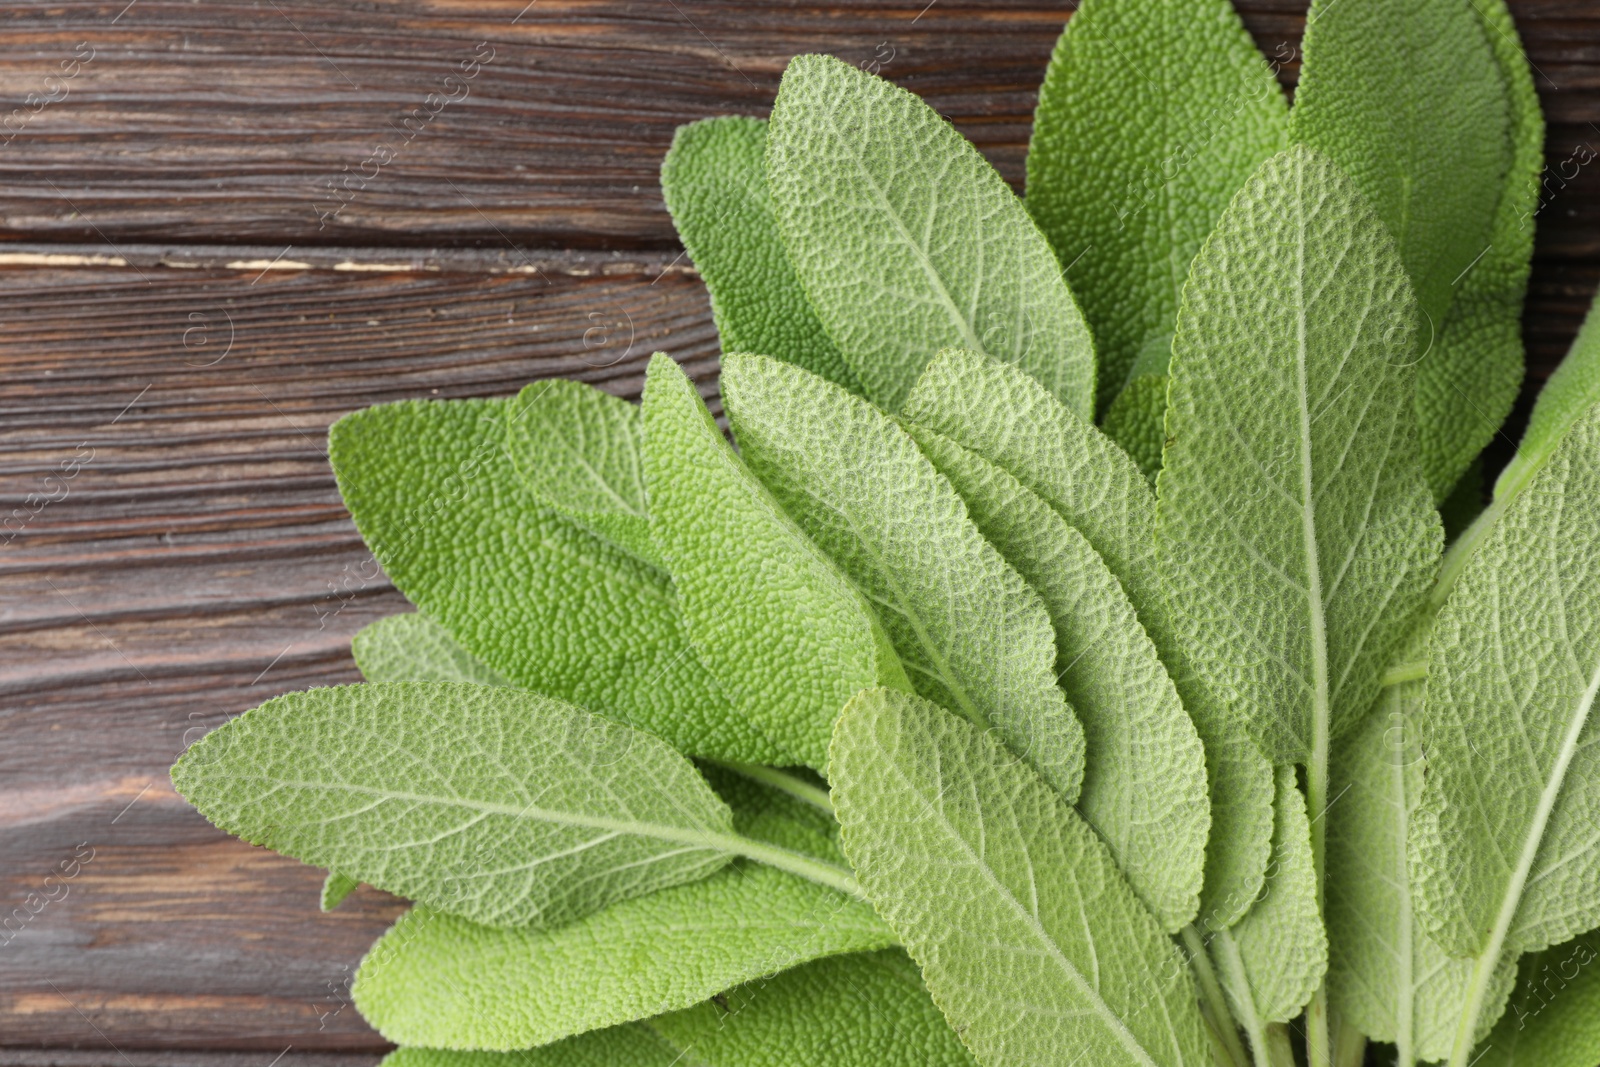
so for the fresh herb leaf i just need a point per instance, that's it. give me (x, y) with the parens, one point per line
(1296, 534)
(1027, 936)
(540, 601)
(715, 183)
(786, 635)
(1571, 392)
(1008, 419)
(335, 888)
(907, 241)
(576, 450)
(1136, 421)
(1145, 788)
(1504, 857)
(1554, 1018)
(414, 648)
(862, 1010)
(968, 629)
(1133, 160)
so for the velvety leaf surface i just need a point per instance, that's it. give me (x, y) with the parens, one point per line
(1136, 421)
(1144, 789)
(715, 183)
(539, 600)
(1554, 1016)
(500, 805)
(1028, 937)
(414, 648)
(967, 628)
(907, 241)
(1273, 959)
(1504, 849)
(1009, 420)
(1152, 114)
(862, 1010)
(785, 633)
(1296, 533)
(577, 452)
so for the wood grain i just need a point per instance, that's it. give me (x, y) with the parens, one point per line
(178, 329)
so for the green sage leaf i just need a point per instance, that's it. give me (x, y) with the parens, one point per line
(414, 648)
(335, 888)
(1570, 393)
(1137, 419)
(1554, 1017)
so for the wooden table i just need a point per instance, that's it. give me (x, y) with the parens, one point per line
(203, 266)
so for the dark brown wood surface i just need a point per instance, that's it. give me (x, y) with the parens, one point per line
(181, 317)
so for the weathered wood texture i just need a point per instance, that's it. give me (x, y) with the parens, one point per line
(178, 328)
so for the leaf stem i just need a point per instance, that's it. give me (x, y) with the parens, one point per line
(1280, 1051)
(1349, 1045)
(1317, 1051)
(1461, 550)
(779, 780)
(1401, 673)
(1211, 992)
(1233, 963)
(812, 870)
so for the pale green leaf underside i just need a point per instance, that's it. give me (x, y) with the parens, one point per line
(1554, 1016)
(576, 450)
(1467, 384)
(1273, 959)
(439, 980)
(786, 635)
(714, 179)
(1028, 937)
(1408, 99)
(1133, 160)
(1144, 790)
(500, 805)
(1009, 420)
(1504, 848)
(1386, 976)
(540, 601)
(968, 629)
(335, 887)
(862, 1010)
(414, 648)
(908, 241)
(1296, 534)
(1572, 390)
(1136, 421)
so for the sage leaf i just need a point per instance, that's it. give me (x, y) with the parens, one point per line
(1503, 852)
(500, 805)
(1008, 419)
(1131, 161)
(715, 183)
(1468, 383)
(540, 601)
(1409, 101)
(576, 450)
(1570, 393)
(1295, 533)
(1136, 421)
(1144, 790)
(967, 628)
(335, 888)
(868, 1009)
(414, 648)
(441, 981)
(1386, 976)
(786, 635)
(908, 241)
(1274, 958)
(1554, 1017)
(1027, 935)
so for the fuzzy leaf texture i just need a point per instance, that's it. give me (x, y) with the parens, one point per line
(1136, 421)
(1274, 958)
(714, 180)
(414, 648)
(576, 450)
(968, 629)
(865, 1010)
(1554, 1016)
(537, 599)
(442, 981)
(908, 241)
(1295, 531)
(1504, 854)
(777, 623)
(1144, 790)
(499, 805)
(1386, 976)
(1028, 937)
(1008, 419)
(1132, 161)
